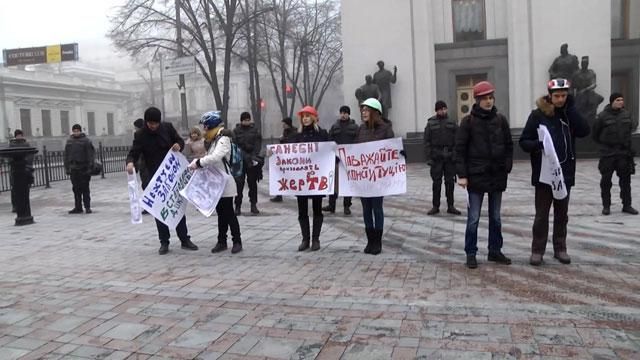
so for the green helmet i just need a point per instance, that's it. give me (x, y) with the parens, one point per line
(372, 103)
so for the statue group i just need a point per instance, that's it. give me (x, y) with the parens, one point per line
(583, 81)
(378, 86)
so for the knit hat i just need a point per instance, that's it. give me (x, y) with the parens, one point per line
(245, 116)
(345, 109)
(76, 127)
(440, 105)
(288, 121)
(152, 114)
(614, 96)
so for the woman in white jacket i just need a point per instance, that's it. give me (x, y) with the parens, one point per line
(218, 142)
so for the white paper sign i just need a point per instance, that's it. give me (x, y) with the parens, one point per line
(205, 189)
(134, 198)
(550, 169)
(161, 198)
(302, 168)
(372, 169)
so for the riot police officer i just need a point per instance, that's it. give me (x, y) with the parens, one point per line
(612, 130)
(439, 141)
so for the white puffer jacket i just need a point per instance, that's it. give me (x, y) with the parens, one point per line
(219, 150)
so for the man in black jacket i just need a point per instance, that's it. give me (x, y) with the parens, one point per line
(20, 141)
(78, 161)
(153, 142)
(439, 142)
(484, 157)
(343, 131)
(249, 140)
(612, 130)
(557, 112)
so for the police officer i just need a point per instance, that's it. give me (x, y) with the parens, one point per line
(612, 130)
(439, 141)
(249, 139)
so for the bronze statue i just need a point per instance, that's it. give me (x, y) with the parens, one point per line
(368, 90)
(564, 65)
(584, 84)
(384, 78)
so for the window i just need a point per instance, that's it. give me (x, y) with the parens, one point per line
(619, 18)
(64, 122)
(91, 122)
(25, 122)
(468, 20)
(110, 124)
(46, 122)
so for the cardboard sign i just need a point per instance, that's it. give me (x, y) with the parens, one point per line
(372, 169)
(302, 168)
(205, 189)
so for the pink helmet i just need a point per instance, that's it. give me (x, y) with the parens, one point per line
(309, 110)
(483, 88)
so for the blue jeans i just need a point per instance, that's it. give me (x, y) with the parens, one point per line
(473, 218)
(372, 209)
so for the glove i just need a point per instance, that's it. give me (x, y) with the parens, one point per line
(337, 160)
(403, 153)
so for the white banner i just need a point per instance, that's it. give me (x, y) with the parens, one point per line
(134, 198)
(161, 198)
(205, 189)
(302, 168)
(550, 169)
(372, 169)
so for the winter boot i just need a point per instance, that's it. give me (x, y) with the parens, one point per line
(78, 204)
(370, 236)
(237, 247)
(433, 211)
(220, 246)
(277, 198)
(315, 237)
(306, 233)
(254, 209)
(186, 244)
(164, 249)
(376, 246)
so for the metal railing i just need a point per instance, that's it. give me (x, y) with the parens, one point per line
(49, 165)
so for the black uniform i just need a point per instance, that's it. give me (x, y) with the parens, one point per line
(342, 132)
(612, 130)
(248, 138)
(78, 161)
(28, 168)
(439, 143)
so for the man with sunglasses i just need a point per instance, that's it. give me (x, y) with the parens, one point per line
(555, 111)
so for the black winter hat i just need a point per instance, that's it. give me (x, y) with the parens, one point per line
(440, 105)
(614, 96)
(152, 114)
(245, 115)
(138, 124)
(345, 109)
(76, 127)
(288, 121)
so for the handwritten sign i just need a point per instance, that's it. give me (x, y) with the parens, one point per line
(134, 198)
(550, 169)
(302, 168)
(372, 169)
(161, 198)
(205, 189)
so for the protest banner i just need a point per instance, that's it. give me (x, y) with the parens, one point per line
(550, 169)
(302, 168)
(372, 169)
(205, 189)
(161, 198)
(134, 198)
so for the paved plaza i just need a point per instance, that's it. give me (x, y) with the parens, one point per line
(94, 287)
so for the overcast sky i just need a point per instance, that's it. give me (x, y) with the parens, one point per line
(28, 23)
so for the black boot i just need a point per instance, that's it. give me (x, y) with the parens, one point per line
(376, 246)
(332, 204)
(254, 209)
(78, 204)
(220, 246)
(306, 233)
(237, 247)
(186, 244)
(369, 232)
(277, 198)
(238, 211)
(164, 249)
(315, 237)
(629, 210)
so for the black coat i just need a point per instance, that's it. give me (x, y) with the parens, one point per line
(78, 154)
(154, 145)
(380, 131)
(310, 134)
(440, 138)
(343, 132)
(612, 130)
(564, 125)
(248, 139)
(288, 135)
(484, 150)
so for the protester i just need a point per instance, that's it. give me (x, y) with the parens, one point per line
(249, 140)
(557, 112)
(373, 128)
(20, 141)
(612, 130)
(288, 134)
(310, 131)
(218, 142)
(78, 162)
(484, 157)
(153, 142)
(439, 144)
(343, 131)
(194, 146)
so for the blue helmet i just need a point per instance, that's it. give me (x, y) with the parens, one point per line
(211, 119)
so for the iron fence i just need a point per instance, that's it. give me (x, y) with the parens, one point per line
(49, 165)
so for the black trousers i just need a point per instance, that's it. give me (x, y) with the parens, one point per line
(622, 166)
(80, 185)
(227, 219)
(164, 234)
(543, 200)
(440, 168)
(251, 174)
